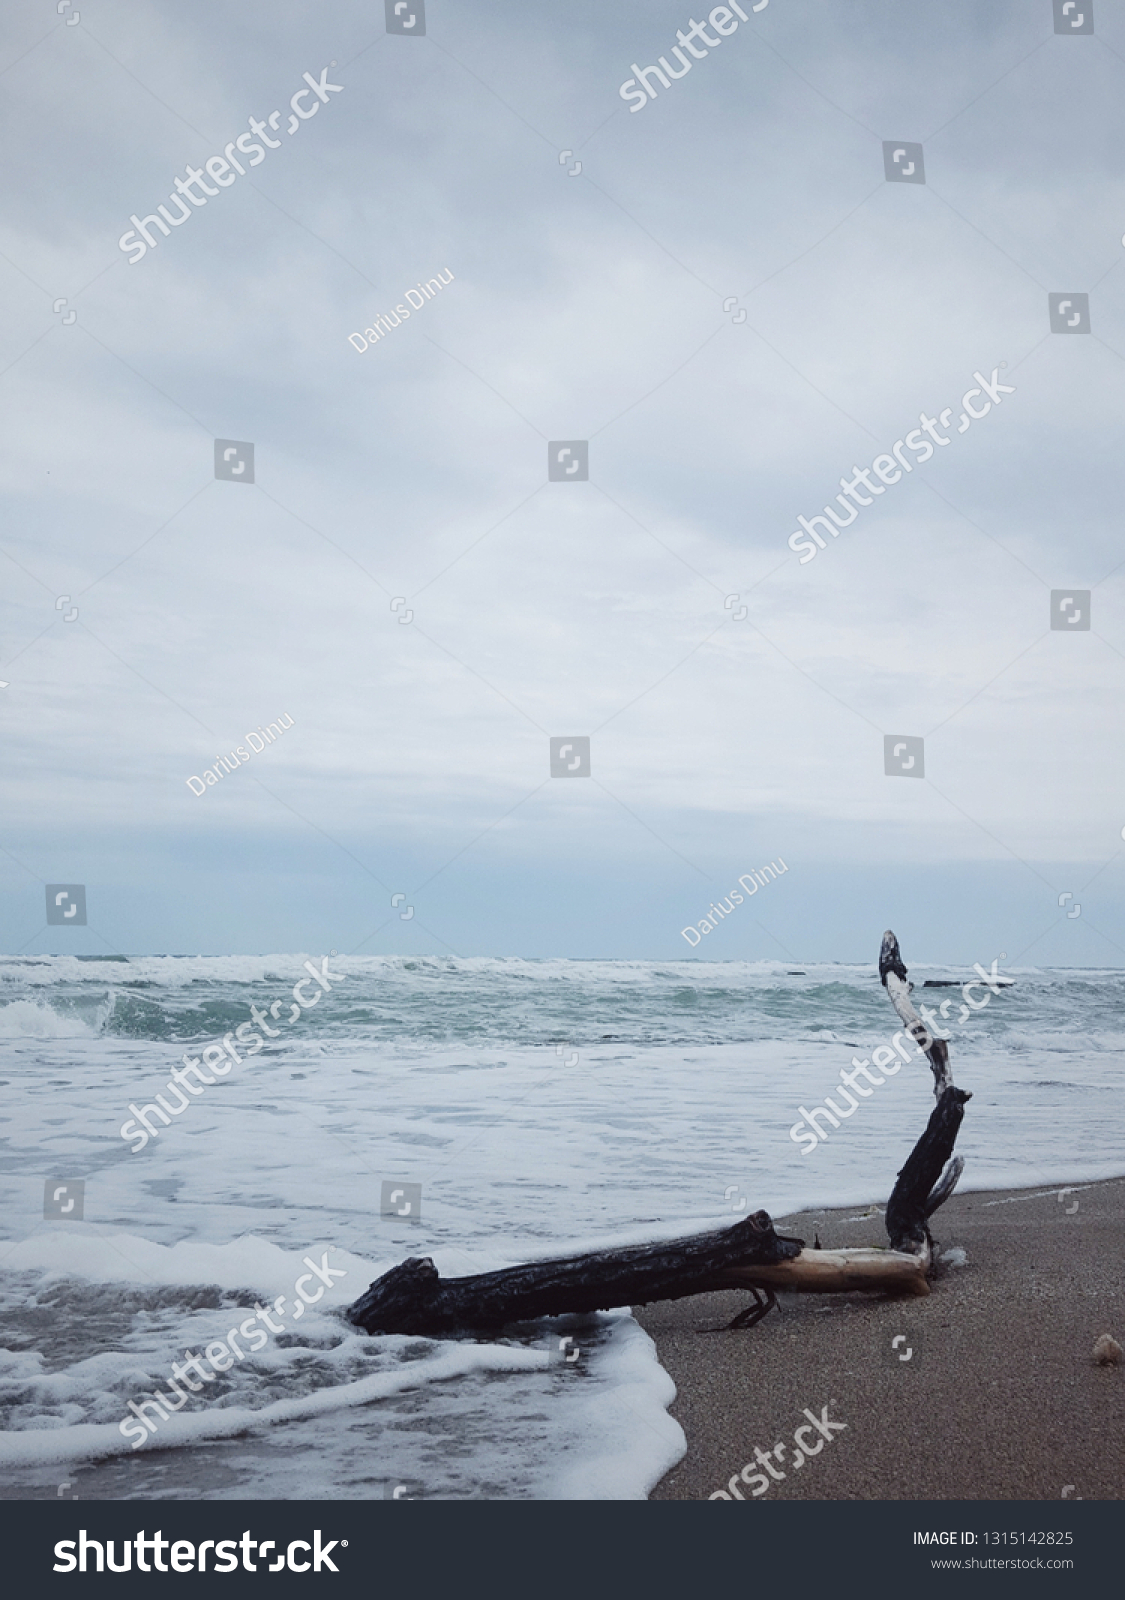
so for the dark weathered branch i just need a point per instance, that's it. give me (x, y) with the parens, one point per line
(412, 1298)
(922, 1184)
(913, 1197)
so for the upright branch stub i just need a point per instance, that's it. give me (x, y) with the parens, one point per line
(892, 971)
(932, 1170)
(923, 1185)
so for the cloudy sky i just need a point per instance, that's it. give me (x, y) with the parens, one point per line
(722, 293)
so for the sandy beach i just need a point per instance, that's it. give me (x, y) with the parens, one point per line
(991, 1393)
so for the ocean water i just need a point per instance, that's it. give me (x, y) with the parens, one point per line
(541, 1106)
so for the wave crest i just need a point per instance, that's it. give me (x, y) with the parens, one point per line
(27, 1019)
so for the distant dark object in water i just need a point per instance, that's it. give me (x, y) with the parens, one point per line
(797, 974)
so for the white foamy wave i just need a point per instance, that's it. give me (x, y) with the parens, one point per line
(97, 1440)
(171, 972)
(26, 1019)
(245, 1263)
(624, 1439)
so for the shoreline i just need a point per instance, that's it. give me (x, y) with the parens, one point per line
(1000, 1397)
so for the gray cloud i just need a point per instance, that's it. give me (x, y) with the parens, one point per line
(585, 307)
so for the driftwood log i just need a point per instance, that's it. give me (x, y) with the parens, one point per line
(413, 1299)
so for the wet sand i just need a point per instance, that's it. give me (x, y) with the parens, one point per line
(1000, 1397)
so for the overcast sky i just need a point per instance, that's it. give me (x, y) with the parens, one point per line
(597, 304)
